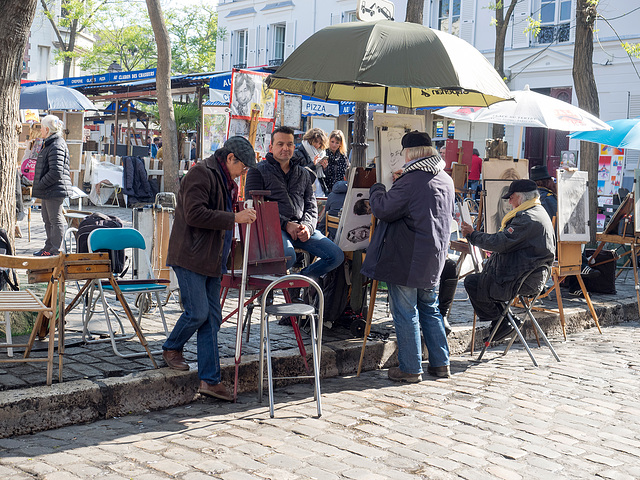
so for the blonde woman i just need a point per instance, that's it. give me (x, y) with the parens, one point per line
(335, 164)
(52, 183)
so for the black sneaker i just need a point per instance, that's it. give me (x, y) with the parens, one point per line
(588, 272)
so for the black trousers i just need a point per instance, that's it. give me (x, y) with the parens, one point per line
(488, 310)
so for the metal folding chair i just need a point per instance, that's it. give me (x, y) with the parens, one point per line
(527, 299)
(119, 239)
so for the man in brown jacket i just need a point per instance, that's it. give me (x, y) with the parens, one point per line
(198, 249)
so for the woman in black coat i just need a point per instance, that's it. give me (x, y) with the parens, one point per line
(52, 183)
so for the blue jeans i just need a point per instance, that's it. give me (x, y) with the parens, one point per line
(412, 309)
(319, 246)
(202, 313)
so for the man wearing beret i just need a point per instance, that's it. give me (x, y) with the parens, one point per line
(408, 251)
(199, 245)
(525, 241)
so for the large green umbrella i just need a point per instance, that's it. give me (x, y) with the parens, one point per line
(396, 63)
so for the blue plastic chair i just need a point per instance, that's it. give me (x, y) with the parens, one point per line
(120, 239)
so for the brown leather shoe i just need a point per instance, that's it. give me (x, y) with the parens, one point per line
(175, 360)
(216, 391)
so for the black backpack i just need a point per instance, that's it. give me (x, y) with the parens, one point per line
(7, 275)
(100, 220)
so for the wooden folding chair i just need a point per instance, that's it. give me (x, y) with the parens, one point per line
(27, 301)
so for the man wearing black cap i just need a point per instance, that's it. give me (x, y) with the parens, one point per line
(199, 245)
(408, 251)
(524, 242)
(546, 189)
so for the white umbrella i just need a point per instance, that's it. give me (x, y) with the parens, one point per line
(530, 109)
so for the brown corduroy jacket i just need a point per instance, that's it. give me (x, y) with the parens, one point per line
(201, 221)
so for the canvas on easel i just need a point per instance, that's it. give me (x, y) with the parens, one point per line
(573, 206)
(355, 219)
(497, 175)
(389, 129)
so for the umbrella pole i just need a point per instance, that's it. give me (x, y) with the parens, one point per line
(386, 94)
(520, 143)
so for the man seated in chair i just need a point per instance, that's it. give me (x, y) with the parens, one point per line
(526, 240)
(292, 187)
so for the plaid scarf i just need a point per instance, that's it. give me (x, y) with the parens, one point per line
(232, 186)
(433, 164)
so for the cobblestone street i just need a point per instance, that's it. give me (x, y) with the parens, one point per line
(502, 419)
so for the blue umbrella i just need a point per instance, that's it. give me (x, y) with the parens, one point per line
(625, 133)
(46, 96)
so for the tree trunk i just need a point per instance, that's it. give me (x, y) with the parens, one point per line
(15, 22)
(415, 10)
(359, 147)
(587, 94)
(170, 160)
(66, 72)
(415, 14)
(502, 22)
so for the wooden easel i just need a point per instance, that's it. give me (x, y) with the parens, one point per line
(624, 213)
(569, 263)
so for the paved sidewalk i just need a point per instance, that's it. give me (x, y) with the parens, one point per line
(501, 419)
(98, 384)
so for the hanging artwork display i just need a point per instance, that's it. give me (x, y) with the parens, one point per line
(610, 166)
(263, 137)
(215, 121)
(390, 128)
(573, 206)
(497, 175)
(355, 219)
(249, 92)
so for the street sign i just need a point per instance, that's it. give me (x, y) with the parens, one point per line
(372, 10)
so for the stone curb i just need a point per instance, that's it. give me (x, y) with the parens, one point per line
(41, 408)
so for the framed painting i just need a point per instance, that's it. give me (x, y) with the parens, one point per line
(573, 206)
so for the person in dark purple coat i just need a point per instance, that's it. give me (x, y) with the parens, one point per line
(408, 250)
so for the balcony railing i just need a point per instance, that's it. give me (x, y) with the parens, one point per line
(554, 33)
(276, 62)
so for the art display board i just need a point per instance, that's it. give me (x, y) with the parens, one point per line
(355, 220)
(327, 124)
(610, 167)
(497, 175)
(215, 121)
(454, 149)
(74, 136)
(291, 111)
(573, 206)
(248, 92)
(240, 126)
(389, 129)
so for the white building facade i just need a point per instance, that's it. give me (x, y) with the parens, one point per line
(265, 32)
(39, 59)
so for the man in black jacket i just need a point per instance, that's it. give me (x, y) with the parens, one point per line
(525, 241)
(292, 187)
